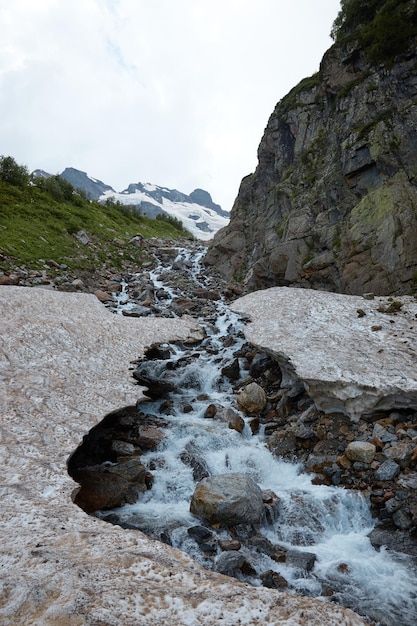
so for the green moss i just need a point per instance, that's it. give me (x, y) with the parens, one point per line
(364, 131)
(290, 101)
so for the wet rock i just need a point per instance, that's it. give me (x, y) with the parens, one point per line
(397, 540)
(387, 471)
(264, 546)
(403, 519)
(273, 580)
(137, 311)
(259, 364)
(109, 486)
(210, 411)
(235, 421)
(282, 444)
(252, 399)
(228, 499)
(200, 534)
(149, 438)
(192, 457)
(271, 505)
(361, 451)
(232, 371)
(301, 560)
(156, 387)
(233, 563)
(159, 353)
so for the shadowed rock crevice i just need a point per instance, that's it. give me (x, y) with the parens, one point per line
(107, 465)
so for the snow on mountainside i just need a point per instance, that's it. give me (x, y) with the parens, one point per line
(202, 220)
(197, 211)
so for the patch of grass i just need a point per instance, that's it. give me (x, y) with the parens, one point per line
(35, 226)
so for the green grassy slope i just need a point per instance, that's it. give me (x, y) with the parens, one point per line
(34, 227)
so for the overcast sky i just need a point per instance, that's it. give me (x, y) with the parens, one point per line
(172, 92)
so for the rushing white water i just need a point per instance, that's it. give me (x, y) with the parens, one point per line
(330, 522)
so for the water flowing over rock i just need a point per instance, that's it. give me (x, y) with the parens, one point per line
(332, 203)
(228, 499)
(347, 361)
(64, 364)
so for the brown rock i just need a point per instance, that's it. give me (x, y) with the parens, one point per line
(343, 462)
(11, 279)
(282, 444)
(149, 438)
(235, 421)
(273, 580)
(252, 399)
(103, 296)
(107, 487)
(210, 411)
(254, 426)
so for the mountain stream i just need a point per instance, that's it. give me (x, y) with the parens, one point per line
(321, 530)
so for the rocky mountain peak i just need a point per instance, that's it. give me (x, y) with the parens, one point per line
(332, 203)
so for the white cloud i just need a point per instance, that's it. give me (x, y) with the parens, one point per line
(174, 93)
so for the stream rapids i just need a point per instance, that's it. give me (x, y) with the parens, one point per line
(313, 539)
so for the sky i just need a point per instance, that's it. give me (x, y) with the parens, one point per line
(171, 92)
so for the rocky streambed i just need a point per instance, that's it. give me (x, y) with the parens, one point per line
(231, 464)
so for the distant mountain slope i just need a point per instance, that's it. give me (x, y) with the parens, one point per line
(93, 187)
(197, 211)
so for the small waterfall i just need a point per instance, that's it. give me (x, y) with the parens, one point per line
(330, 523)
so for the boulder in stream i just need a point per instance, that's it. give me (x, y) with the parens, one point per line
(252, 399)
(228, 499)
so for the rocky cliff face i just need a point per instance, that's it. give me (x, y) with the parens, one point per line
(333, 202)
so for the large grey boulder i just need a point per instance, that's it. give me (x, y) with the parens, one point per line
(228, 499)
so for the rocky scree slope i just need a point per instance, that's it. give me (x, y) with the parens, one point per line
(332, 204)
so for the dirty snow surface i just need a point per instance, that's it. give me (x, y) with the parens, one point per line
(64, 364)
(353, 354)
